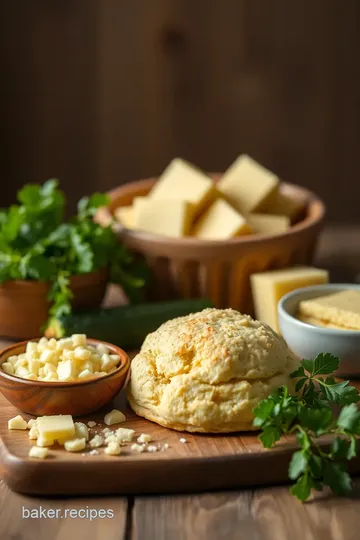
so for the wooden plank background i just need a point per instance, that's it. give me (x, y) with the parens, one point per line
(100, 93)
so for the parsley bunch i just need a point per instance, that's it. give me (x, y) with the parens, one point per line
(310, 416)
(37, 244)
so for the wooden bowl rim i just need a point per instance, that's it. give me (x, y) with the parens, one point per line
(310, 221)
(123, 367)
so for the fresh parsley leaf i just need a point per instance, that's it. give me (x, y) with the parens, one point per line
(300, 383)
(315, 419)
(324, 364)
(352, 448)
(299, 372)
(339, 448)
(349, 418)
(308, 365)
(302, 488)
(269, 436)
(341, 393)
(336, 477)
(38, 267)
(263, 411)
(298, 465)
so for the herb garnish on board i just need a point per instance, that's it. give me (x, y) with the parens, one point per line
(36, 244)
(310, 416)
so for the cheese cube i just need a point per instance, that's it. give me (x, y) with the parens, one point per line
(17, 423)
(21, 372)
(75, 445)
(114, 417)
(283, 204)
(144, 438)
(341, 308)
(66, 370)
(32, 422)
(8, 368)
(81, 431)
(39, 453)
(113, 449)
(85, 374)
(269, 287)
(221, 221)
(44, 441)
(33, 433)
(31, 347)
(125, 215)
(124, 435)
(79, 340)
(268, 224)
(168, 217)
(182, 181)
(56, 427)
(34, 366)
(96, 441)
(247, 185)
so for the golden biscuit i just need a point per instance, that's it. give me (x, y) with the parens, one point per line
(206, 371)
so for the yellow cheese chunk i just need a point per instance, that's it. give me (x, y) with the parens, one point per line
(284, 205)
(267, 224)
(341, 308)
(269, 287)
(137, 204)
(183, 181)
(167, 217)
(125, 215)
(54, 428)
(247, 185)
(221, 221)
(319, 322)
(39, 453)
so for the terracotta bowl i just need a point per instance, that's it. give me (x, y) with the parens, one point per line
(24, 305)
(219, 270)
(75, 398)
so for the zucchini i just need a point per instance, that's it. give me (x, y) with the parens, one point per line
(126, 326)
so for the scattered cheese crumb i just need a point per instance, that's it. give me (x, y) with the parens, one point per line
(81, 431)
(138, 448)
(113, 449)
(166, 446)
(124, 435)
(75, 445)
(114, 417)
(96, 441)
(17, 423)
(33, 433)
(111, 439)
(94, 452)
(183, 440)
(144, 438)
(91, 423)
(32, 422)
(151, 448)
(39, 453)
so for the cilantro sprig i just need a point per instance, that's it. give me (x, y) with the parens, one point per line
(37, 244)
(310, 415)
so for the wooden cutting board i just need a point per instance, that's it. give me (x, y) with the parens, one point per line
(202, 463)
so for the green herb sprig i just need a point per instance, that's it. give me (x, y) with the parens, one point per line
(310, 415)
(37, 244)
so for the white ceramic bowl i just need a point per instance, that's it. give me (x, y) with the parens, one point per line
(306, 340)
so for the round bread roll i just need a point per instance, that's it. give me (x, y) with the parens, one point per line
(205, 372)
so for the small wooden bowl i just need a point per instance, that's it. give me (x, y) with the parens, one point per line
(24, 306)
(75, 398)
(217, 269)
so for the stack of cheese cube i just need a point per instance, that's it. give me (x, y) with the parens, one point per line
(187, 202)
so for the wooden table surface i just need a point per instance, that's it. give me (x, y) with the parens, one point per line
(260, 514)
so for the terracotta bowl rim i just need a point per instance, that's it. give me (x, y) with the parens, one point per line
(123, 367)
(305, 224)
(44, 284)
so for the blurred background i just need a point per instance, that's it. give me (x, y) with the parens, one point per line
(98, 93)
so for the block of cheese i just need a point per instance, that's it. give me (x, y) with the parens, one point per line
(268, 224)
(169, 217)
(284, 205)
(137, 204)
(54, 428)
(124, 214)
(341, 308)
(247, 185)
(220, 221)
(183, 181)
(269, 287)
(319, 322)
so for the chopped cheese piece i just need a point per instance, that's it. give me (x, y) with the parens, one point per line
(341, 308)
(125, 215)
(39, 453)
(96, 441)
(183, 181)
(284, 205)
(144, 438)
(8, 368)
(43, 441)
(81, 431)
(32, 422)
(152, 448)
(33, 433)
(269, 287)
(268, 224)
(137, 205)
(124, 435)
(113, 449)
(56, 428)
(319, 322)
(114, 417)
(168, 217)
(17, 423)
(138, 448)
(221, 221)
(247, 185)
(75, 445)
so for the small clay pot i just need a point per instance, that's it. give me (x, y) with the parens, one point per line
(24, 305)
